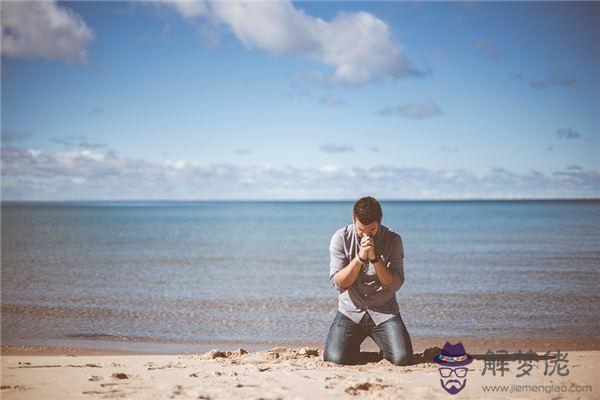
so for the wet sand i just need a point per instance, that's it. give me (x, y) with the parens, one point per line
(276, 373)
(166, 347)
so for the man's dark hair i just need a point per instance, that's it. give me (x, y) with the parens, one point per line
(367, 210)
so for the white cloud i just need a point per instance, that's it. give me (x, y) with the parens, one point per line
(487, 48)
(553, 78)
(337, 148)
(329, 169)
(43, 29)
(189, 9)
(451, 149)
(358, 46)
(35, 175)
(413, 110)
(177, 164)
(276, 27)
(9, 136)
(78, 180)
(329, 101)
(34, 153)
(567, 133)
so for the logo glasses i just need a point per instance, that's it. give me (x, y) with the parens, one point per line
(447, 372)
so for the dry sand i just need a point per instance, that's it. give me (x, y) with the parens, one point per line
(278, 373)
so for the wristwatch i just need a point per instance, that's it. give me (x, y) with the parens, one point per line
(379, 258)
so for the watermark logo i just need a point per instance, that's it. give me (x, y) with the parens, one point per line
(452, 362)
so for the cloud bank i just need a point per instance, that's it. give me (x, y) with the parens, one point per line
(29, 174)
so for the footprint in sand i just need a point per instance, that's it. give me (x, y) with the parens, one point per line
(113, 393)
(335, 377)
(120, 375)
(365, 387)
(83, 366)
(37, 366)
(169, 365)
(15, 387)
(188, 392)
(177, 391)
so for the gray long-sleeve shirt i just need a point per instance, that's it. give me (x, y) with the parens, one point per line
(367, 294)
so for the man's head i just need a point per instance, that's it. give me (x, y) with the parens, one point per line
(367, 216)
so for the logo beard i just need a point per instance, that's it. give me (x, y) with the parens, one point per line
(453, 386)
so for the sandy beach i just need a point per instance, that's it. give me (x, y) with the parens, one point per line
(277, 373)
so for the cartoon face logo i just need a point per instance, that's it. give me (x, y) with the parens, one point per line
(452, 384)
(452, 361)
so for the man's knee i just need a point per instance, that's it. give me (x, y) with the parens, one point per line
(335, 357)
(400, 358)
(332, 357)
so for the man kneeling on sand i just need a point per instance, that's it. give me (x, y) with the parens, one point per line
(367, 268)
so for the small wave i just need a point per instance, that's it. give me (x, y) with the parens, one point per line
(106, 336)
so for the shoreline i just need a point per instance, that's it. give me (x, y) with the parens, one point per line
(115, 348)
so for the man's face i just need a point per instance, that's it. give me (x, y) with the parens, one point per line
(453, 379)
(362, 229)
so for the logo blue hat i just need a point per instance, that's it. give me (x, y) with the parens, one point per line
(453, 355)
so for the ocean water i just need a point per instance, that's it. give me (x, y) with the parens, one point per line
(257, 272)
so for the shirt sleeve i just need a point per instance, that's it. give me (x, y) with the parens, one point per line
(337, 259)
(396, 265)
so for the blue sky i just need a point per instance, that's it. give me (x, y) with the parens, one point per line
(319, 100)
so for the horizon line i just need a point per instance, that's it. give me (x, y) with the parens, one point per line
(2, 201)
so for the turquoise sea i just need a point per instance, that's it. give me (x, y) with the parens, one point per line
(149, 275)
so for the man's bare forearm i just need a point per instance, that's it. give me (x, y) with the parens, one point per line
(383, 273)
(346, 276)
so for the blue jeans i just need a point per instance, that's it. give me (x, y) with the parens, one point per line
(345, 337)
